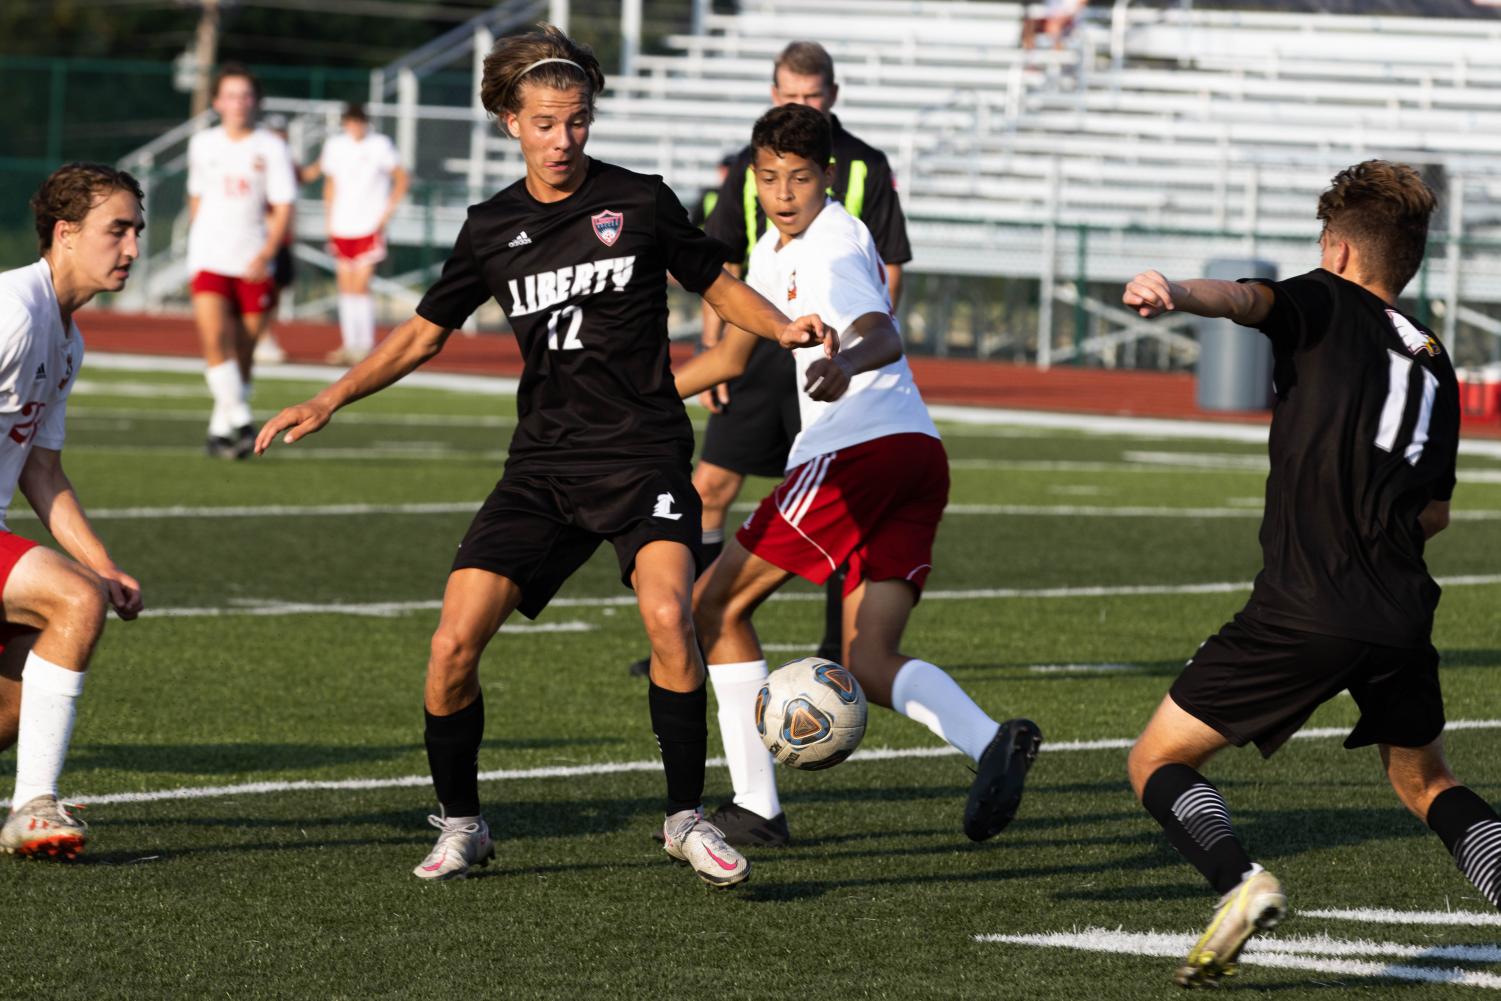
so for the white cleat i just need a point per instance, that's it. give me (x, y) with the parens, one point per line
(689, 838)
(43, 828)
(1257, 904)
(461, 843)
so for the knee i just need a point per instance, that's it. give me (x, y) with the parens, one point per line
(82, 604)
(716, 490)
(1140, 764)
(667, 617)
(452, 653)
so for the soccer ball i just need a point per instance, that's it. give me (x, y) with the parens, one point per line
(810, 713)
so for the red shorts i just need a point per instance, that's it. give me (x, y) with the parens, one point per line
(359, 249)
(875, 505)
(12, 548)
(250, 297)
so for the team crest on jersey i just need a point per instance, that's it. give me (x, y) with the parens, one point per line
(792, 286)
(607, 226)
(1417, 342)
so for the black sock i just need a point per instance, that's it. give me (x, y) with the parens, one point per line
(453, 757)
(833, 616)
(711, 550)
(1471, 831)
(680, 721)
(1193, 814)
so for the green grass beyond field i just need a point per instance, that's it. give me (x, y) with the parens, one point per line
(281, 669)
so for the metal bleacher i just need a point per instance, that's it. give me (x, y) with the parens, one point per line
(1153, 137)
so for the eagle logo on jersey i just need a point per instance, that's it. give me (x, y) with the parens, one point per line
(792, 286)
(1417, 342)
(68, 374)
(607, 226)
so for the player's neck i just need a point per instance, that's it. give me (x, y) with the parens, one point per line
(72, 294)
(235, 134)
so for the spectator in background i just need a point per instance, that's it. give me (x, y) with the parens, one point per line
(1057, 19)
(709, 198)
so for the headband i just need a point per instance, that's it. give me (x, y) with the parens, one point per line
(542, 62)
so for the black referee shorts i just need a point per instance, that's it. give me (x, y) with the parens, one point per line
(536, 529)
(754, 434)
(1259, 683)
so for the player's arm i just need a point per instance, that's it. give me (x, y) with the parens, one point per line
(1434, 518)
(328, 205)
(894, 284)
(1151, 294)
(739, 304)
(278, 218)
(879, 345)
(716, 398)
(310, 173)
(724, 361)
(47, 488)
(407, 347)
(400, 182)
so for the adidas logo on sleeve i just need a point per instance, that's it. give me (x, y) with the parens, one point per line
(522, 240)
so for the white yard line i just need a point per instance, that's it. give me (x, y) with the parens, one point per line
(1082, 668)
(347, 416)
(649, 765)
(1387, 916)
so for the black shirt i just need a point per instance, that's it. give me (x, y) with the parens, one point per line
(583, 282)
(862, 182)
(1364, 435)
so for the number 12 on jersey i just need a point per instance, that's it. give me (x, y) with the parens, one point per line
(574, 317)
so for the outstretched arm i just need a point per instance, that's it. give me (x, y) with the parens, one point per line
(407, 347)
(1151, 294)
(741, 305)
(879, 345)
(724, 361)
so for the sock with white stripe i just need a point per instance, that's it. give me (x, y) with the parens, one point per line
(925, 693)
(228, 389)
(712, 544)
(751, 774)
(49, 699)
(359, 336)
(1197, 822)
(1471, 831)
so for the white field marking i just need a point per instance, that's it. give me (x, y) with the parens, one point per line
(1316, 954)
(1218, 461)
(141, 390)
(345, 416)
(1387, 916)
(389, 608)
(1082, 668)
(489, 385)
(650, 765)
(269, 511)
(1078, 490)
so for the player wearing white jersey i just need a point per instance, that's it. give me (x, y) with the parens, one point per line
(867, 481)
(88, 221)
(363, 182)
(235, 171)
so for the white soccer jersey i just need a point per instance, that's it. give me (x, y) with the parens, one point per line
(234, 181)
(832, 269)
(38, 362)
(361, 170)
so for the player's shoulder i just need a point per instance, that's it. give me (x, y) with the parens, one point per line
(25, 293)
(848, 146)
(836, 232)
(268, 140)
(205, 138)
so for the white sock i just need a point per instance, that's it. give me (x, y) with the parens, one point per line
(49, 695)
(347, 320)
(925, 693)
(711, 536)
(364, 323)
(228, 388)
(735, 688)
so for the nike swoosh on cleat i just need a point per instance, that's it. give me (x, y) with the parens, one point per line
(436, 865)
(727, 866)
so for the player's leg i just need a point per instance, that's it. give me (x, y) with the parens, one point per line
(723, 603)
(663, 580)
(1469, 826)
(217, 317)
(363, 325)
(67, 604)
(717, 489)
(15, 647)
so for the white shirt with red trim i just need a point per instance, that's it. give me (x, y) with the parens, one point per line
(234, 182)
(361, 170)
(38, 364)
(832, 269)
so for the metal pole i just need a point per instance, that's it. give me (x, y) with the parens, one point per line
(1456, 236)
(557, 14)
(406, 117)
(479, 132)
(699, 16)
(630, 35)
(1046, 290)
(205, 51)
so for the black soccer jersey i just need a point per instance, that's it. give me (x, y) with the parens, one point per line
(583, 282)
(1364, 435)
(863, 183)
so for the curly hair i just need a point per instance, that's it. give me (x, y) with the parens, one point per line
(1383, 209)
(795, 129)
(512, 62)
(71, 191)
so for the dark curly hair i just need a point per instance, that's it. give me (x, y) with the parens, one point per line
(1383, 208)
(71, 191)
(795, 129)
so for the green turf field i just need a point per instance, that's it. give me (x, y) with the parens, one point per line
(279, 675)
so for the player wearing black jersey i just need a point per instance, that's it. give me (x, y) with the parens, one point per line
(1363, 442)
(578, 254)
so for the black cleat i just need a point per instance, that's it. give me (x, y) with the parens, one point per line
(222, 448)
(640, 668)
(244, 441)
(997, 790)
(746, 829)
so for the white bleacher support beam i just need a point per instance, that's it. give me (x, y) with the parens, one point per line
(1456, 234)
(557, 14)
(696, 22)
(630, 35)
(406, 117)
(1048, 285)
(479, 132)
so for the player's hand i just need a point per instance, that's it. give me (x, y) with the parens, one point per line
(298, 422)
(805, 331)
(828, 378)
(716, 399)
(258, 270)
(1151, 294)
(124, 593)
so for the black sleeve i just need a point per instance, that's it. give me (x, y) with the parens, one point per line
(1302, 309)
(883, 214)
(459, 290)
(694, 258)
(727, 222)
(1446, 433)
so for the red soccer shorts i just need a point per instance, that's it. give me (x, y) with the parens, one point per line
(875, 505)
(359, 249)
(12, 548)
(250, 297)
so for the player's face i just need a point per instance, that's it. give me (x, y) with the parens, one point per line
(235, 102)
(356, 128)
(795, 88)
(792, 190)
(553, 127)
(99, 251)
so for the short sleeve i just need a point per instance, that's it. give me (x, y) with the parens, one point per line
(328, 159)
(846, 286)
(727, 222)
(392, 156)
(1302, 309)
(883, 215)
(459, 290)
(694, 258)
(281, 179)
(196, 180)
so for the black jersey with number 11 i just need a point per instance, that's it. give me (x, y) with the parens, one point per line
(1363, 438)
(583, 282)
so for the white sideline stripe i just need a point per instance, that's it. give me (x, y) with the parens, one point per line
(617, 767)
(1082, 668)
(389, 608)
(489, 385)
(1387, 916)
(345, 416)
(1319, 954)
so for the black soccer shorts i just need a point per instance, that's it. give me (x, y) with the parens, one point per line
(754, 434)
(538, 528)
(1259, 683)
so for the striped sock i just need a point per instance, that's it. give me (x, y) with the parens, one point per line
(1471, 831)
(1197, 822)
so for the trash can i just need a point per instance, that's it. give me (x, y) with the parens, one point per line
(1235, 363)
